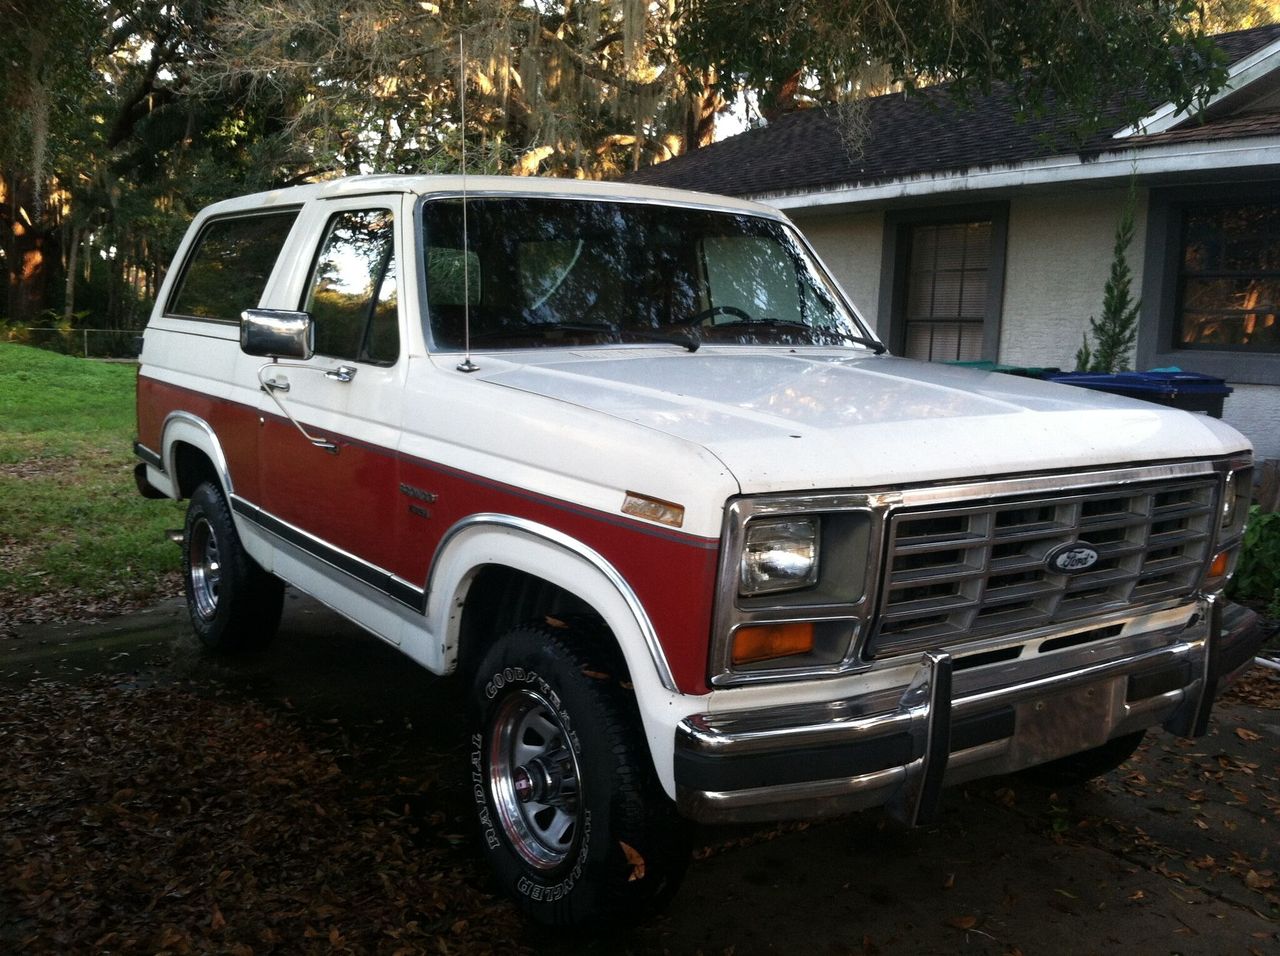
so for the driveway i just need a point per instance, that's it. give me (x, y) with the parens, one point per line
(1175, 853)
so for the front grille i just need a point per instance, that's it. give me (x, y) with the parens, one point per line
(976, 569)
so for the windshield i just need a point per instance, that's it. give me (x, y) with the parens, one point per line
(540, 271)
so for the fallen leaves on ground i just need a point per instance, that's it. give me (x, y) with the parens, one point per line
(1197, 812)
(634, 860)
(155, 819)
(1259, 686)
(59, 605)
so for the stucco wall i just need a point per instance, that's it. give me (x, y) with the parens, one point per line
(1057, 261)
(1255, 410)
(850, 245)
(1058, 258)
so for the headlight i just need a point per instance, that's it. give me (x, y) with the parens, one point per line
(794, 587)
(1237, 492)
(1236, 495)
(779, 554)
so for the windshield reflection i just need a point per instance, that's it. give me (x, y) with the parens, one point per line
(541, 271)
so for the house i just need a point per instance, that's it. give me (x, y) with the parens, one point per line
(963, 234)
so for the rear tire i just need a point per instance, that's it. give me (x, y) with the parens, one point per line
(1087, 765)
(571, 815)
(234, 604)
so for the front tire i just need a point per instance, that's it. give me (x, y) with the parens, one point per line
(233, 603)
(572, 818)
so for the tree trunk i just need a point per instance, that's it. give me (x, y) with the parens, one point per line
(784, 100)
(73, 260)
(27, 247)
(700, 117)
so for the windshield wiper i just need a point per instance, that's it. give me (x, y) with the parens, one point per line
(877, 347)
(685, 340)
(544, 330)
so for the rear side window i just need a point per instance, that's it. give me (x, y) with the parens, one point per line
(352, 294)
(229, 265)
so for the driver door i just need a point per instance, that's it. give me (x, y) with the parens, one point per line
(338, 504)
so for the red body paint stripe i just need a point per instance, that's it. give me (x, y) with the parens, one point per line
(353, 501)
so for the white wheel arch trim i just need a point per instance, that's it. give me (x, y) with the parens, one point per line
(194, 431)
(494, 539)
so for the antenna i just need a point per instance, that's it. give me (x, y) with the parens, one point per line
(466, 365)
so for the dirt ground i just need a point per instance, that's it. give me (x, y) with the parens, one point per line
(311, 798)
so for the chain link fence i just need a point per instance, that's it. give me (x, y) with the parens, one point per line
(88, 343)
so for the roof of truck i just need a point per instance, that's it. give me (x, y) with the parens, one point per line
(480, 186)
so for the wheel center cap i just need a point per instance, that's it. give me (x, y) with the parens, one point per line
(544, 779)
(523, 784)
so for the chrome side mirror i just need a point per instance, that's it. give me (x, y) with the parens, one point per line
(276, 333)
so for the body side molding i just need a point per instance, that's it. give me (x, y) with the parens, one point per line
(363, 571)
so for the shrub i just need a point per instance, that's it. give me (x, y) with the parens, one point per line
(1258, 573)
(1115, 333)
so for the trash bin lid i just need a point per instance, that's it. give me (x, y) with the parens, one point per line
(1164, 384)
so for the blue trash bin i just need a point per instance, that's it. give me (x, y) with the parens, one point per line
(1189, 391)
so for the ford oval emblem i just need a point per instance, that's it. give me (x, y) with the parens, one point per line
(1072, 558)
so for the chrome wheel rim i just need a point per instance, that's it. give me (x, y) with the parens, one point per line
(206, 568)
(533, 776)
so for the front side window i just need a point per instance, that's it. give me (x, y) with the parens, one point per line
(1229, 277)
(550, 271)
(352, 293)
(229, 265)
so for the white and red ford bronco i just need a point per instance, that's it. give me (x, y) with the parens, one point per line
(628, 462)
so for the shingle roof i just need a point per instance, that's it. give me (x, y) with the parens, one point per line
(918, 135)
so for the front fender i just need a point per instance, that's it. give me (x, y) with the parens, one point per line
(493, 539)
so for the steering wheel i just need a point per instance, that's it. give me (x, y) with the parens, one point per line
(699, 317)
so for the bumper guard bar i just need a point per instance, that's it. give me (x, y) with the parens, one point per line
(898, 749)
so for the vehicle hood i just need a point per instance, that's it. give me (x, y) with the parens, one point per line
(819, 419)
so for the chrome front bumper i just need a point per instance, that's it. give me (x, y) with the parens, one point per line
(899, 748)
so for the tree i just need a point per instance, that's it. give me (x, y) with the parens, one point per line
(42, 54)
(553, 86)
(1067, 55)
(1222, 16)
(1115, 333)
(119, 119)
(106, 149)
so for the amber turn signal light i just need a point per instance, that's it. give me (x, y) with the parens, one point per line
(763, 642)
(1221, 561)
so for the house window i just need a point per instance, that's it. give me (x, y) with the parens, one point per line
(947, 290)
(944, 271)
(1229, 278)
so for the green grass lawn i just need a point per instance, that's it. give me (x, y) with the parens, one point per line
(76, 538)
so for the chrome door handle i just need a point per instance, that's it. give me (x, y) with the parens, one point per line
(343, 373)
(278, 384)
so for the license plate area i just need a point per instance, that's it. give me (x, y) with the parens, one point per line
(1054, 725)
